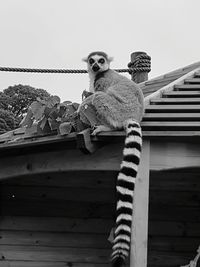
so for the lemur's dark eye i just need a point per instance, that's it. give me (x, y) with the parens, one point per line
(91, 61)
(101, 60)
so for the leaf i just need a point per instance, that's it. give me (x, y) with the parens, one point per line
(65, 103)
(38, 110)
(32, 130)
(61, 111)
(65, 128)
(42, 101)
(28, 119)
(42, 123)
(52, 101)
(70, 109)
(54, 113)
(75, 105)
(53, 124)
(43, 127)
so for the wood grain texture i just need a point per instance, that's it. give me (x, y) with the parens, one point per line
(13, 263)
(173, 155)
(58, 239)
(106, 158)
(54, 224)
(139, 237)
(57, 209)
(54, 254)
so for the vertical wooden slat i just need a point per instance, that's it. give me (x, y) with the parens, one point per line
(138, 253)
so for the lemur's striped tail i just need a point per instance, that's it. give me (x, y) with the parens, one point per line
(125, 190)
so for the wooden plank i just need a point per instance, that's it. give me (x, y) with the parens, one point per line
(173, 108)
(172, 116)
(106, 158)
(187, 87)
(189, 135)
(177, 101)
(56, 254)
(138, 251)
(57, 209)
(75, 240)
(195, 80)
(166, 259)
(41, 140)
(173, 213)
(182, 94)
(180, 180)
(53, 224)
(172, 244)
(13, 263)
(43, 193)
(173, 155)
(177, 198)
(174, 228)
(170, 125)
(84, 179)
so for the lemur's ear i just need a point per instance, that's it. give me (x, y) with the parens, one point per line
(85, 59)
(110, 59)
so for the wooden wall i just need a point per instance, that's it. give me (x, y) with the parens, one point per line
(174, 210)
(63, 218)
(57, 220)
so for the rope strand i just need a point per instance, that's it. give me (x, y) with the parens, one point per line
(66, 71)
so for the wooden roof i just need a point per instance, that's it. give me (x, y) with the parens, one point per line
(155, 84)
(172, 109)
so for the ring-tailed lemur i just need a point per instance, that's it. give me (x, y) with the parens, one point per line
(118, 103)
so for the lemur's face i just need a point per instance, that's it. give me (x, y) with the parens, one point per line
(98, 63)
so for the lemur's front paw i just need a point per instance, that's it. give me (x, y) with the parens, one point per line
(96, 130)
(85, 94)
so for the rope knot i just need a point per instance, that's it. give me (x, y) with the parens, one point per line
(142, 63)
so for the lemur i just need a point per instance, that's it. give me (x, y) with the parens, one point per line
(118, 104)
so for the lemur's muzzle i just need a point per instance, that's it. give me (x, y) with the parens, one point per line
(95, 67)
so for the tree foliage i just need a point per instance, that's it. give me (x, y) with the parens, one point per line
(8, 121)
(19, 97)
(14, 103)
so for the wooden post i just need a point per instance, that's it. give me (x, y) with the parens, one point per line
(139, 237)
(139, 76)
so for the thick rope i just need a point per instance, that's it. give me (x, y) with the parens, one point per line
(66, 71)
(142, 63)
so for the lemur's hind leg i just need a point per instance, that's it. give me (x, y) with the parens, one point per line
(107, 111)
(101, 128)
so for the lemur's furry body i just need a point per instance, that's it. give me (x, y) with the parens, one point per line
(118, 104)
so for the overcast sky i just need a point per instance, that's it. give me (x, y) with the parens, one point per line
(59, 33)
